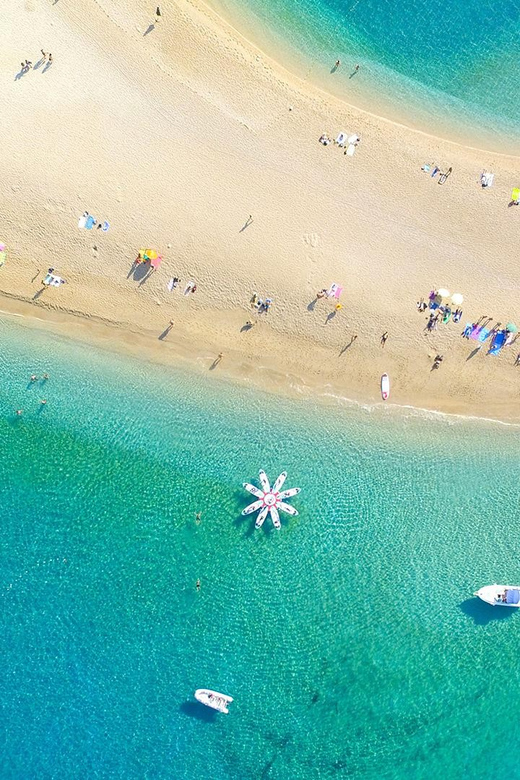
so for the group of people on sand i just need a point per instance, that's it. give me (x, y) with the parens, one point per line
(27, 64)
(434, 169)
(341, 141)
(261, 306)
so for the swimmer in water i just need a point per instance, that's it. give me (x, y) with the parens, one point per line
(33, 377)
(43, 401)
(19, 411)
(45, 376)
(197, 518)
(197, 584)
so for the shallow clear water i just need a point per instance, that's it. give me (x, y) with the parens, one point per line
(446, 66)
(350, 639)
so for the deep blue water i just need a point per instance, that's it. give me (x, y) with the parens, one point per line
(350, 640)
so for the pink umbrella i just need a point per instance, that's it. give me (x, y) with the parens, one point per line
(156, 262)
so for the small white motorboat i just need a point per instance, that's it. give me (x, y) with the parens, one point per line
(217, 701)
(500, 595)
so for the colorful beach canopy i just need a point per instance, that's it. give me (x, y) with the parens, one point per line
(148, 254)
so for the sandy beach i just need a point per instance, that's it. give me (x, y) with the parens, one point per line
(176, 132)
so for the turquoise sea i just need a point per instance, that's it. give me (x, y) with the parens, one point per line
(445, 66)
(349, 640)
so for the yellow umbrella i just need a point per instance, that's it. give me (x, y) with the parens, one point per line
(515, 195)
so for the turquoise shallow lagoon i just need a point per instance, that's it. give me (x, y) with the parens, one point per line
(448, 67)
(350, 639)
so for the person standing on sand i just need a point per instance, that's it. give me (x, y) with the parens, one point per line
(337, 64)
(158, 14)
(384, 338)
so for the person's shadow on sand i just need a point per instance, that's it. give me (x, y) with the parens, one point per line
(139, 271)
(149, 29)
(330, 317)
(165, 332)
(21, 73)
(312, 304)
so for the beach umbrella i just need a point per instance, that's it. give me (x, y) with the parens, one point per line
(511, 327)
(457, 299)
(443, 292)
(515, 195)
(3, 253)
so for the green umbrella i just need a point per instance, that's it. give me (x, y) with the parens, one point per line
(511, 327)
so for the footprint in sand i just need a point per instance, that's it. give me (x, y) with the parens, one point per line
(312, 239)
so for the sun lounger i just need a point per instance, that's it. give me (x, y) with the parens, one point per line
(351, 149)
(340, 140)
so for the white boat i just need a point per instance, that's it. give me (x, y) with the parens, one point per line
(270, 499)
(275, 517)
(253, 507)
(279, 482)
(385, 387)
(266, 487)
(254, 490)
(500, 595)
(261, 516)
(288, 493)
(217, 701)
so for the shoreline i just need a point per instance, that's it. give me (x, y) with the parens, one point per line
(178, 153)
(138, 345)
(264, 42)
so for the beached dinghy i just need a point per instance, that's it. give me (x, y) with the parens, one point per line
(500, 595)
(217, 701)
(270, 499)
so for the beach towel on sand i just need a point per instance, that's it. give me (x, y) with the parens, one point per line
(351, 149)
(498, 343)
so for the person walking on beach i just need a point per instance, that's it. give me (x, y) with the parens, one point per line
(384, 338)
(337, 64)
(517, 361)
(158, 14)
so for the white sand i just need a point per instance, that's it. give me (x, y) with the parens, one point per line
(176, 137)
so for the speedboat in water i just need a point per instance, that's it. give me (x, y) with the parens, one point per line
(217, 701)
(500, 595)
